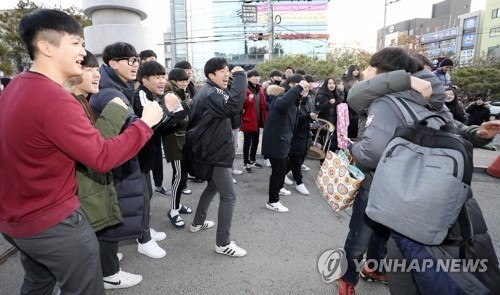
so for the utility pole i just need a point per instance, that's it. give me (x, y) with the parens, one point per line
(385, 19)
(270, 27)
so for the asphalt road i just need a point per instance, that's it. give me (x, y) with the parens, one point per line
(283, 248)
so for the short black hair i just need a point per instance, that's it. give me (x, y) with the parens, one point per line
(44, 21)
(147, 53)
(252, 73)
(230, 66)
(183, 65)
(214, 64)
(295, 78)
(275, 73)
(309, 78)
(178, 75)
(90, 61)
(118, 50)
(150, 68)
(421, 60)
(293, 71)
(393, 58)
(301, 72)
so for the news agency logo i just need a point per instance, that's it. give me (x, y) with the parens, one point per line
(332, 265)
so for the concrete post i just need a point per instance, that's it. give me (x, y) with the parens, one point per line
(116, 21)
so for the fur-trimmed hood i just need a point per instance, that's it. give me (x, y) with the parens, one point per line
(274, 90)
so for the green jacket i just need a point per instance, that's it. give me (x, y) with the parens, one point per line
(96, 191)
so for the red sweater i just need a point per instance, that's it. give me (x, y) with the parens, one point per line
(43, 131)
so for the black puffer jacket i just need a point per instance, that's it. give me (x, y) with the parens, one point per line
(301, 136)
(209, 137)
(127, 177)
(281, 121)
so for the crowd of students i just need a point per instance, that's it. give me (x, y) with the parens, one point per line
(79, 149)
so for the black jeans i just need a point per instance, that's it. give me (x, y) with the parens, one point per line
(250, 144)
(365, 235)
(278, 166)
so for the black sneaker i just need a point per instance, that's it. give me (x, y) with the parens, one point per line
(194, 179)
(255, 164)
(247, 168)
(163, 191)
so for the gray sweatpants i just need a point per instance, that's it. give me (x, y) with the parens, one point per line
(222, 182)
(67, 253)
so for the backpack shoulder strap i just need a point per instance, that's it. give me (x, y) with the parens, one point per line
(409, 114)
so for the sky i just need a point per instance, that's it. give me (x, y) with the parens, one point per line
(354, 22)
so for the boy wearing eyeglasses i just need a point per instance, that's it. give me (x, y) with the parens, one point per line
(121, 63)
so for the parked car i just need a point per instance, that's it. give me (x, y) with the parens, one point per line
(495, 109)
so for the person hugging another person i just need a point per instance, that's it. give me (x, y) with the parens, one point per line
(253, 117)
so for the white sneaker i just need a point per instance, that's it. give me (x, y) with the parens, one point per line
(120, 256)
(234, 181)
(194, 228)
(121, 280)
(267, 163)
(236, 172)
(288, 180)
(278, 207)
(231, 250)
(151, 249)
(301, 188)
(187, 191)
(284, 192)
(157, 235)
(304, 168)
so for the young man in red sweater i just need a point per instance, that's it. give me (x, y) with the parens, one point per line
(43, 131)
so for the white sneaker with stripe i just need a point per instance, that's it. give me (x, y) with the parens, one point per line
(231, 250)
(207, 224)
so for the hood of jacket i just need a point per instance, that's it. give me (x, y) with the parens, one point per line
(110, 79)
(438, 95)
(275, 90)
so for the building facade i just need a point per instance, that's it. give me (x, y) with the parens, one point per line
(240, 30)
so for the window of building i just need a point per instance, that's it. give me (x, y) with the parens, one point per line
(495, 13)
(495, 32)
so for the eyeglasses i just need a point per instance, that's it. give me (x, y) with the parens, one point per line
(130, 60)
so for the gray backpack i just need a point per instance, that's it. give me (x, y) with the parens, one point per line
(423, 177)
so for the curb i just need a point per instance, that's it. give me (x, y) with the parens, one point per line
(10, 252)
(480, 169)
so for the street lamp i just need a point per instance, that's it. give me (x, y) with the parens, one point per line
(385, 19)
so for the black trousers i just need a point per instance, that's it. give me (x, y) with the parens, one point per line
(109, 261)
(158, 171)
(294, 164)
(250, 144)
(278, 166)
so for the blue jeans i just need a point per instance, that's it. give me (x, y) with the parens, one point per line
(365, 235)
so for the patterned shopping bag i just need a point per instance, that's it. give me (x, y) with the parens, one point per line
(338, 181)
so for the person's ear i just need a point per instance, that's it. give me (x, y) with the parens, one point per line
(211, 76)
(113, 64)
(44, 47)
